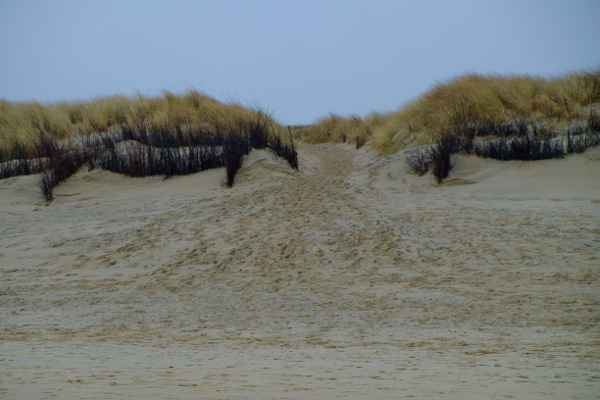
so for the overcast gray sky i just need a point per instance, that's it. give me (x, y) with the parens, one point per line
(299, 59)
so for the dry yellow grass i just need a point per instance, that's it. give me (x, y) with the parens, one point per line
(24, 121)
(338, 129)
(473, 98)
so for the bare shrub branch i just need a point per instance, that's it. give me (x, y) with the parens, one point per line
(418, 161)
(442, 154)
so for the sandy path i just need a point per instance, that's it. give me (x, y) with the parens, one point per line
(351, 279)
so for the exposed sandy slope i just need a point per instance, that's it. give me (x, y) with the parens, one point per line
(349, 279)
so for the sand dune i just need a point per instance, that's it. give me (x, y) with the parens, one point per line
(351, 278)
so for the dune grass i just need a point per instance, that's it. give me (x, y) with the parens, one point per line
(511, 141)
(21, 123)
(169, 136)
(525, 114)
(337, 129)
(490, 101)
(485, 100)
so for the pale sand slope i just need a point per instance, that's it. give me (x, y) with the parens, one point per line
(348, 279)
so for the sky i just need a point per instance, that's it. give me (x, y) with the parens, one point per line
(298, 59)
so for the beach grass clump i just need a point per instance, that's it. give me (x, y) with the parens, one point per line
(495, 104)
(13, 168)
(471, 105)
(167, 113)
(594, 121)
(236, 147)
(285, 151)
(56, 162)
(148, 151)
(258, 130)
(173, 151)
(257, 133)
(512, 140)
(578, 142)
(23, 122)
(15, 161)
(418, 161)
(139, 149)
(139, 160)
(337, 129)
(541, 144)
(522, 149)
(60, 171)
(442, 154)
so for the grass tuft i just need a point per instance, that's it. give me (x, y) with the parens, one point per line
(287, 152)
(418, 161)
(442, 155)
(236, 147)
(58, 163)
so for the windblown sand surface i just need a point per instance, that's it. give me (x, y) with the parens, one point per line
(348, 279)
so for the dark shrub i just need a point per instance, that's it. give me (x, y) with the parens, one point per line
(136, 162)
(521, 124)
(441, 155)
(257, 130)
(170, 149)
(47, 184)
(284, 151)
(12, 168)
(594, 121)
(524, 149)
(58, 169)
(418, 161)
(467, 133)
(236, 147)
(111, 161)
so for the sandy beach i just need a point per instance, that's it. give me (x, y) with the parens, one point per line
(351, 278)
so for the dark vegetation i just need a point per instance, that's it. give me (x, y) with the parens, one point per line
(284, 151)
(418, 161)
(236, 147)
(151, 151)
(517, 140)
(441, 154)
(144, 150)
(360, 142)
(56, 162)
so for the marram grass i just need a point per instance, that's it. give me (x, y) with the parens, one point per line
(22, 123)
(476, 99)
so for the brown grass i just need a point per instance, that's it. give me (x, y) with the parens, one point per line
(23, 122)
(337, 129)
(481, 99)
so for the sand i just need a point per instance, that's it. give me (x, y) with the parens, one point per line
(351, 278)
